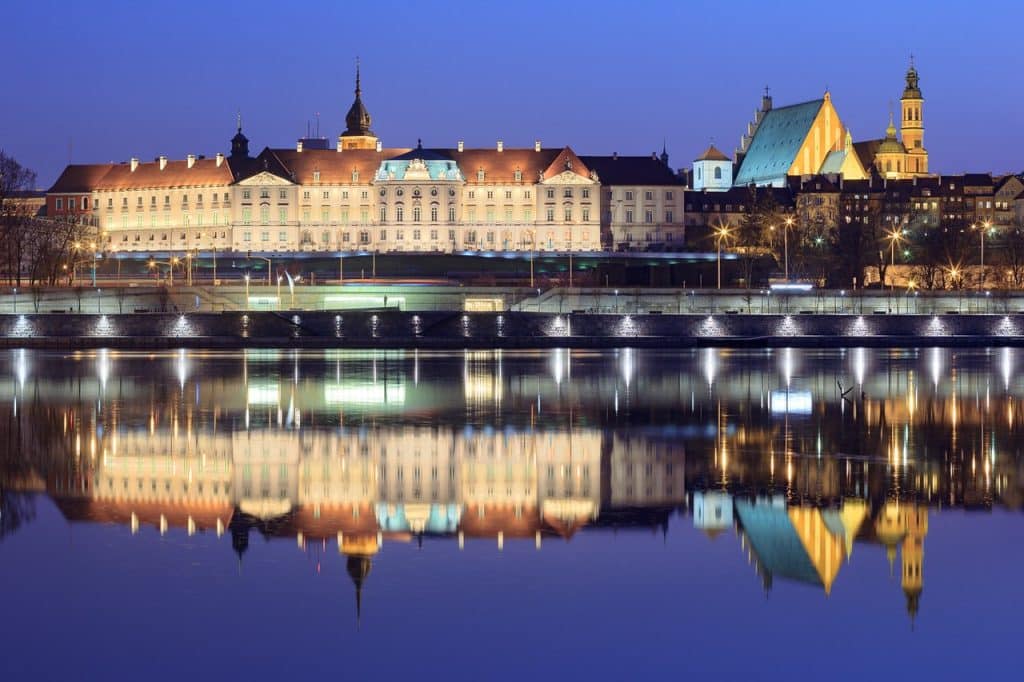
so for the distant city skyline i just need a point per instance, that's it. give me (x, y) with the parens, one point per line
(97, 84)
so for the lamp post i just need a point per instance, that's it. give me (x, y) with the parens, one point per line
(15, 299)
(894, 237)
(787, 223)
(722, 232)
(982, 228)
(170, 268)
(95, 255)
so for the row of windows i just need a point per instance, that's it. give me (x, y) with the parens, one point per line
(363, 236)
(649, 195)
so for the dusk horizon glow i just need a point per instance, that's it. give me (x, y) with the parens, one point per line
(116, 81)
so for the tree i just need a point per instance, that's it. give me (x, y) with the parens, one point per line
(15, 216)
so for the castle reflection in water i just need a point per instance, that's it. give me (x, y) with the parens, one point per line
(800, 455)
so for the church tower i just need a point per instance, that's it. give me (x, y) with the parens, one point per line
(912, 557)
(912, 124)
(357, 133)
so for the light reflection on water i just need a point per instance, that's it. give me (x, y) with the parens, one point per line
(807, 463)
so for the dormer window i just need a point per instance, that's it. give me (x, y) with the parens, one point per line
(519, 175)
(316, 176)
(480, 175)
(355, 176)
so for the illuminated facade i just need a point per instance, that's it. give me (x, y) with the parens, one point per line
(809, 138)
(361, 196)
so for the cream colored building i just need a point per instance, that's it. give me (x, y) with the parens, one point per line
(360, 196)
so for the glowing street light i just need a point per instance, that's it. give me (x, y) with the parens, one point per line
(982, 229)
(246, 290)
(170, 268)
(893, 237)
(787, 223)
(721, 233)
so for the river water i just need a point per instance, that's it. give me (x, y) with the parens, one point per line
(511, 515)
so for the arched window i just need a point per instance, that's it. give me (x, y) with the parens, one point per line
(433, 213)
(698, 172)
(399, 213)
(718, 172)
(415, 214)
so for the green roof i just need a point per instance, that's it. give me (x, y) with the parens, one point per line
(776, 143)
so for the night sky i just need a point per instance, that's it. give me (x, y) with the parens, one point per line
(103, 81)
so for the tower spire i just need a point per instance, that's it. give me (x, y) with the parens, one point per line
(359, 90)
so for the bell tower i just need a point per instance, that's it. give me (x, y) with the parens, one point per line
(912, 124)
(357, 133)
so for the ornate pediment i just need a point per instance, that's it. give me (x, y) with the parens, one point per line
(568, 177)
(265, 178)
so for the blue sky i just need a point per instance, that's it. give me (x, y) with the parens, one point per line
(104, 81)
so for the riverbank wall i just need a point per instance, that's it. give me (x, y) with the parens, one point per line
(388, 328)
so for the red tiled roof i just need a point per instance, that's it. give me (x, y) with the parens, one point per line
(335, 167)
(712, 154)
(80, 178)
(203, 173)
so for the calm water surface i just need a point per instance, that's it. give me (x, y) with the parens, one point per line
(497, 515)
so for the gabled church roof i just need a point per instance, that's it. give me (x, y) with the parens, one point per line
(777, 141)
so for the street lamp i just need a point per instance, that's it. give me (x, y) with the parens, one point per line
(894, 237)
(788, 223)
(15, 299)
(721, 233)
(170, 268)
(982, 228)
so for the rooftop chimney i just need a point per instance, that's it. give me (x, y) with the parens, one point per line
(380, 147)
(461, 145)
(220, 159)
(162, 161)
(501, 146)
(298, 146)
(536, 145)
(191, 158)
(134, 163)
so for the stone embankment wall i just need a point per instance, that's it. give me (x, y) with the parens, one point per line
(396, 329)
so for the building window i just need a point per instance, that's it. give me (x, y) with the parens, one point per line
(247, 236)
(245, 194)
(490, 194)
(648, 216)
(433, 214)
(586, 215)
(364, 215)
(416, 235)
(399, 213)
(518, 175)
(480, 175)
(60, 204)
(568, 215)
(264, 215)
(433, 235)
(383, 235)
(668, 216)
(649, 196)
(246, 216)
(668, 196)
(415, 214)
(282, 215)
(344, 237)
(265, 236)
(551, 194)
(282, 236)
(451, 214)
(568, 193)
(629, 215)
(526, 194)
(629, 195)
(551, 215)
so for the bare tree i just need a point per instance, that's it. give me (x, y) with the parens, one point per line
(15, 215)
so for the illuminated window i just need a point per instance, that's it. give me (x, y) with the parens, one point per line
(433, 214)
(416, 214)
(551, 194)
(551, 215)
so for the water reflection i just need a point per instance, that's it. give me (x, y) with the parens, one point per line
(797, 456)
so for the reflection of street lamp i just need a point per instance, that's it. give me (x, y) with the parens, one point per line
(722, 232)
(15, 299)
(247, 290)
(279, 278)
